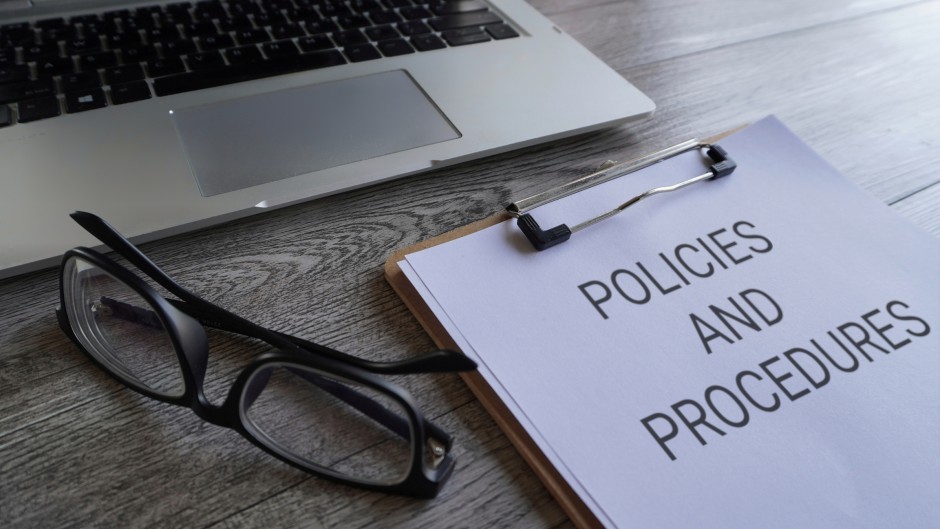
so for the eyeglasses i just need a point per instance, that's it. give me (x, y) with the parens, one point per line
(315, 408)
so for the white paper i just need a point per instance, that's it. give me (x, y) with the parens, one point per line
(862, 450)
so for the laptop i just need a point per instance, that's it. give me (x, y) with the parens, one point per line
(168, 117)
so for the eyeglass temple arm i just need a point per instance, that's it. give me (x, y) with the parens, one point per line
(357, 400)
(368, 406)
(439, 361)
(105, 233)
(371, 408)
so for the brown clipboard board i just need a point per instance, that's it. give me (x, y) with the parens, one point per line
(570, 502)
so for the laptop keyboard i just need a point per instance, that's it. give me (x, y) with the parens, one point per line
(58, 65)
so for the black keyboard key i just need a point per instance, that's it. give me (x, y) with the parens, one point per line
(391, 48)
(303, 9)
(305, 14)
(413, 27)
(243, 55)
(279, 5)
(168, 66)
(11, 93)
(208, 10)
(50, 23)
(181, 17)
(252, 36)
(117, 14)
(85, 19)
(382, 33)
(74, 82)
(269, 19)
(281, 48)
(238, 23)
(121, 41)
(57, 34)
(54, 66)
(427, 42)
(397, 3)
(205, 61)
(335, 10)
(129, 92)
(36, 109)
(315, 27)
(457, 6)
(123, 74)
(136, 55)
(501, 31)
(461, 37)
(364, 6)
(82, 45)
(464, 20)
(131, 26)
(216, 42)
(414, 13)
(353, 22)
(162, 34)
(145, 21)
(242, 10)
(14, 73)
(94, 61)
(147, 11)
(186, 82)
(40, 51)
(350, 37)
(314, 43)
(200, 29)
(82, 100)
(178, 7)
(17, 34)
(7, 29)
(6, 116)
(384, 17)
(110, 27)
(93, 32)
(286, 31)
(177, 47)
(361, 52)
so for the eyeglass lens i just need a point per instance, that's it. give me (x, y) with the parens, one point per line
(347, 428)
(118, 327)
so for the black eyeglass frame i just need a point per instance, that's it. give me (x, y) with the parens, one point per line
(183, 321)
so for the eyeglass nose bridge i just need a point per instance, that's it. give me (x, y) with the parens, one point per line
(218, 415)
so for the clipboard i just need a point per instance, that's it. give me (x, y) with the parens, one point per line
(722, 165)
(579, 513)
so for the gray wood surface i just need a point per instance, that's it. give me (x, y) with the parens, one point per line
(856, 80)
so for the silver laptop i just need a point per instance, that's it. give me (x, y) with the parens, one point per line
(165, 117)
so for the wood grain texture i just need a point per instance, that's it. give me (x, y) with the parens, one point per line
(856, 80)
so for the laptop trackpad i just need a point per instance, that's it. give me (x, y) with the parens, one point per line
(267, 137)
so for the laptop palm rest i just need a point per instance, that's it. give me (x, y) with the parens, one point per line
(271, 136)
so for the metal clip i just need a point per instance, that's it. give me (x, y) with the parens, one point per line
(722, 165)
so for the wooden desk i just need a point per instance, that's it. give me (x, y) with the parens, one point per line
(857, 80)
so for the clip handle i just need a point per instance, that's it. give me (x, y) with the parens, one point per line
(724, 164)
(542, 239)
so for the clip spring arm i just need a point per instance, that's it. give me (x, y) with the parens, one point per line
(722, 165)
